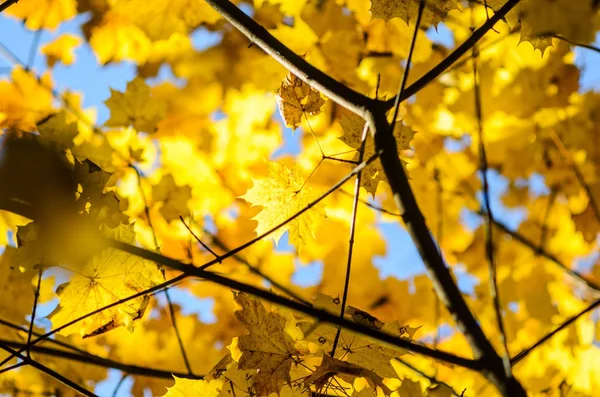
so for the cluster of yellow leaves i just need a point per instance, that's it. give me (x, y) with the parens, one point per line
(201, 148)
(287, 356)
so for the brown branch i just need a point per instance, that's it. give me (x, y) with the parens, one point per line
(454, 56)
(101, 362)
(489, 216)
(7, 4)
(545, 254)
(516, 359)
(386, 148)
(191, 271)
(296, 306)
(170, 306)
(296, 64)
(577, 171)
(538, 250)
(48, 371)
(438, 271)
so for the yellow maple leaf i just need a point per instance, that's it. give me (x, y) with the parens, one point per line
(24, 100)
(15, 287)
(136, 106)
(61, 50)
(108, 277)
(296, 98)
(435, 10)
(174, 198)
(269, 346)
(44, 14)
(568, 18)
(194, 387)
(362, 351)
(353, 126)
(116, 39)
(282, 195)
(331, 366)
(57, 131)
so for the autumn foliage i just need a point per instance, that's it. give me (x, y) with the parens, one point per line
(181, 191)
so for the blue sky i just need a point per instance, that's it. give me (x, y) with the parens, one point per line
(94, 81)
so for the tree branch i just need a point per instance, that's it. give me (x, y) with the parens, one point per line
(439, 273)
(386, 147)
(101, 362)
(48, 371)
(454, 56)
(258, 35)
(7, 4)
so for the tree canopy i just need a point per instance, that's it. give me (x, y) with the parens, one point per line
(410, 112)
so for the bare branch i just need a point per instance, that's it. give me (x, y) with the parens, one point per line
(487, 210)
(48, 371)
(101, 361)
(516, 359)
(311, 75)
(7, 4)
(455, 55)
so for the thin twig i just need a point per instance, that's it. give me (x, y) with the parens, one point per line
(404, 80)
(87, 358)
(36, 296)
(7, 4)
(357, 182)
(545, 254)
(584, 185)
(299, 66)
(431, 379)
(455, 55)
(170, 307)
(551, 200)
(439, 237)
(12, 367)
(296, 306)
(119, 384)
(48, 371)
(25, 210)
(524, 353)
(489, 217)
(33, 49)
(586, 46)
(206, 247)
(253, 269)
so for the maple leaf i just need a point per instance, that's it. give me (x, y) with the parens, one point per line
(282, 195)
(24, 100)
(61, 50)
(295, 98)
(435, 11)
(193, 388)
(116, 39)
(439, 391)
(58, 131)
(174, 198)
(353, 126)
(15, 286)
(96, 196)
(136, 106)
(571, 19)
(269, 346)
(362, 351)
(44, 14)
(108, 277)
(330, 367)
